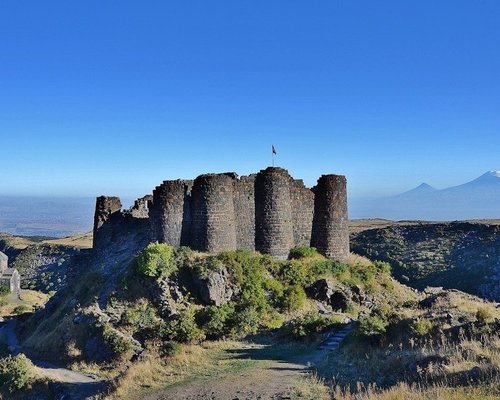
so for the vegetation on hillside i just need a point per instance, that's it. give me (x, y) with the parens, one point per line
(128, 318)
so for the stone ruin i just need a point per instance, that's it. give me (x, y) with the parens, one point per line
(269, 212)
(9, 277)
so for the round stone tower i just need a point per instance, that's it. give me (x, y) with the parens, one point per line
(170, 213)
(330, 231)
(213, 227)
(273, 212)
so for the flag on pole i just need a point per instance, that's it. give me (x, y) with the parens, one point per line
(274, 150)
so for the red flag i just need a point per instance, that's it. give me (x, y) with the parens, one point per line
(274, 150)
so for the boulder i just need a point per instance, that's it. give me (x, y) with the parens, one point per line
(321, 290)
(341, 299)
(338, 297)
(216, 288)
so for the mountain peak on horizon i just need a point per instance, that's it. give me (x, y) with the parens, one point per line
(488, 176)
(494, 173)
(423, 188)
(425, 185)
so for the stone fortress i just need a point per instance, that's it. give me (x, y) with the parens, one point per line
(269, 212)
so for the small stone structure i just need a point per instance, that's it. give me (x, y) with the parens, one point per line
(9, 277)
(268, 212)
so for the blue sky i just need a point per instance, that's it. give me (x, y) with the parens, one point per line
(113, 97)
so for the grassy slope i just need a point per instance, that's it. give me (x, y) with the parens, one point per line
(27, 298)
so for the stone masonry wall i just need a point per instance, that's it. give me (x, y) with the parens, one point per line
(213, 226)
(269, 212)
(170, 213)
(273, 213)
(244, 208)
(105, 208)
(302, 199)
(140, 209)
(330, 233)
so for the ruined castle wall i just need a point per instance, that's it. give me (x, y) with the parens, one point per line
(244, 208)
(213, 226)
(302, 200)
(330, 232)
(112, 225)
(170, 213)
(106, 208)
(273, 212)
(140, 207)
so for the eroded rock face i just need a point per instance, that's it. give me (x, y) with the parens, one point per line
(338, 297)
(321, 290)
(217, 288)
(341, 299)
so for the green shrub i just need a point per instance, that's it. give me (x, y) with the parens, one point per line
(157, 260)
(274, 292)
(302, 252)
(294, 272)
(15, 372)
(310, 323)
(118, 344)
(293, 298)
(169, 349)
(382, 267)
(421, 327)
(217, 321)
(185, 329)
(246, 321)
(143, 316)
(328, 267)
(372, 325)
(484, 315)
(4, 290)
(272, 320)
(21, 309)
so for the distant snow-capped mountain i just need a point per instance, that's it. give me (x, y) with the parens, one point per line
(477, 199)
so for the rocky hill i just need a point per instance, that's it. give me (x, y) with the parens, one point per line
(460, 255)
(45, 264)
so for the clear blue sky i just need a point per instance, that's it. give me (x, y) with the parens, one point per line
(113, 97)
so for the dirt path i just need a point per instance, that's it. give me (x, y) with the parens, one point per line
(266, 380)
(79, 386)
(270, 376)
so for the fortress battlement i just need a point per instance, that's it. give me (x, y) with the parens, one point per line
(269, 212)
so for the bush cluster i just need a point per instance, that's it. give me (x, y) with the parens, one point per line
(15, 372)
(267, 291)
(310, 323)
(157, 260)
(421, 327)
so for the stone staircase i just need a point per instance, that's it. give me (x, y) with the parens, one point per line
(335, 337)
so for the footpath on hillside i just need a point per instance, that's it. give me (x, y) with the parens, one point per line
(78, 386)
(268, 378)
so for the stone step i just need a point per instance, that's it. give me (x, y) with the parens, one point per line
(334, 338)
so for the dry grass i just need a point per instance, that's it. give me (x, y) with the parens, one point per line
(156, 372)
(471, 304)
(16, 242)
(311, 388)
(355, 259)
(417, 392)
(83, 241)
(28, 298)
